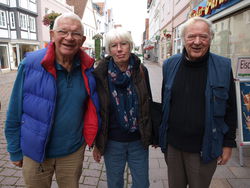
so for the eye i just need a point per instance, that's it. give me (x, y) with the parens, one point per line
(191, 37)
(62, 32)
(113, 45)
(76, 34)
(204, 37)
(124, 43)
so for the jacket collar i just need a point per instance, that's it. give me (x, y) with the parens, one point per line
(50, 56)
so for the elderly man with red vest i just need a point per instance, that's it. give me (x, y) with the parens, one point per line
(53, 111)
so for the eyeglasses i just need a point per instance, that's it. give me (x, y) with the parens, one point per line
(202, 37)
(121, 45)
(75, 35)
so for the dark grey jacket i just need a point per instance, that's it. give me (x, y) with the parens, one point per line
(141, 82)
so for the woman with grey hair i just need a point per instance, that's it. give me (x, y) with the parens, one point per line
(124, 93)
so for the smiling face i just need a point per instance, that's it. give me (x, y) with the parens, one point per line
(120, 51)
(197, 40)
(68, 38)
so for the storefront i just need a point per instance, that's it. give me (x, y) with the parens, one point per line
(4, 57)
(231, 21)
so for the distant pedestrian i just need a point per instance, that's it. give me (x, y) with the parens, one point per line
(124, 93)
(53, 109)
(199, 109)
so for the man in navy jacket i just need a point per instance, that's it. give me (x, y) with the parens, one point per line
(199, 109)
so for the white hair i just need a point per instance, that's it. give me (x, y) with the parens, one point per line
(192, 21)
(118, 33)
(69, 15)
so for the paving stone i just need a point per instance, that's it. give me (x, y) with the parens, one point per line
(102, 184)
(1, 178)
(103, 176)
(223, 172)
(96, 166)
(219, 183)
(87, 186)
(153, 163)
(158, 174)
(165, 183)
(85, 164)
(20, 182)
(91, 173)
(90, 181)
(240, 172)
(239, 183)
(9, 181)
(54, 184)
(7, 172)
(156, 184)
(162, 163)
(155, 153)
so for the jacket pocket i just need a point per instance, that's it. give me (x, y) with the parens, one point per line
(220, 96)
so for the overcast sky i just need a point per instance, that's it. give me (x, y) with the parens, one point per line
(131, 15)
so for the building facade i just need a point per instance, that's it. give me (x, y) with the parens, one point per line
(231, 22)
(18, 31)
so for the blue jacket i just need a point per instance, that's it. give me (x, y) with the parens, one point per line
(39, 99)
(216, 94)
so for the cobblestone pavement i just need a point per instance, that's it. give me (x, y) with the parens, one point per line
(230, 175)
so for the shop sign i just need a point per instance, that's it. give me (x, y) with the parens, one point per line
(210, 7)
(243, 67)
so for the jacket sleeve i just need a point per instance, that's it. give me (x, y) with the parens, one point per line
(231, 116)
(13, 119)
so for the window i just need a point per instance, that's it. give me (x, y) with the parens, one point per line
(46, 10)
(23, 21)
(12, 20)
(177, 41)
(3, 23)
(32, 24)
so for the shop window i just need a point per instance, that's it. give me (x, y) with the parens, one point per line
(3, 57)
(247, 16)
(3, 23)
(232, 39)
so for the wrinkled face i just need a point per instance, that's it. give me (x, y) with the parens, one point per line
(197, 40)
(120, 51)
(68, 37)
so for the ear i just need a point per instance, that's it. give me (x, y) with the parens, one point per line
(83, 39)
(52, 35)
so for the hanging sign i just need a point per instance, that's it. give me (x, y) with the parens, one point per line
(243, 67)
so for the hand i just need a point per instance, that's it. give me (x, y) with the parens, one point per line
(18, 163)
(226, 154)
(97, 154)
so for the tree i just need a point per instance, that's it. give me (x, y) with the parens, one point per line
(97, 38)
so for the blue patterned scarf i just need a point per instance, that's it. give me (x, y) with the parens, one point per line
(123, 95)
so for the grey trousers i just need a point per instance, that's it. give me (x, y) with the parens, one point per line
(186, 168)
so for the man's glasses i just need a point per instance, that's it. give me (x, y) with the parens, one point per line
(75, 35)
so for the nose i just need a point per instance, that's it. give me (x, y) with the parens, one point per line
(197, 40)
(69, 36)
(119, 47)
